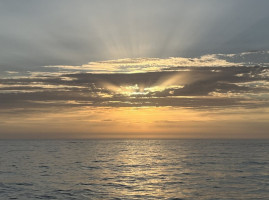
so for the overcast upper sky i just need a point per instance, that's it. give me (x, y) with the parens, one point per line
(122, 68)
(66, 32)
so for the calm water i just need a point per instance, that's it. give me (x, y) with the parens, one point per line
(134, 169)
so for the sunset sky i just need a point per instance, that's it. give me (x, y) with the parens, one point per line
(134, 69)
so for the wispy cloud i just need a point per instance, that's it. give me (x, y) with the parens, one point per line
(139, 65)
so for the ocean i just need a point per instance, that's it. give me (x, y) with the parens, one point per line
(134, 169)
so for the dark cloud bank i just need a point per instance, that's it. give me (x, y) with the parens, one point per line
(204, 87)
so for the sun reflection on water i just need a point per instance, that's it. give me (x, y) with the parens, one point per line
(145, 171)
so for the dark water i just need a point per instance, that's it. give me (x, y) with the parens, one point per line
(134, 169)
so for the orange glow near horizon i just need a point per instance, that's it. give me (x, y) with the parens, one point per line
(142, 122)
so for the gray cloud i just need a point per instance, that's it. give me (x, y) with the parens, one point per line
(35, 33)
(199, 87)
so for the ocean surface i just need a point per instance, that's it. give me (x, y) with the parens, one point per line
(134, 169)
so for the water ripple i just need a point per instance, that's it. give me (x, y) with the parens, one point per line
(134, 169)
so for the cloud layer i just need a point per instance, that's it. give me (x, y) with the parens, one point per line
(133, 68)
(210, 96)
(202, 82)
(65, 32)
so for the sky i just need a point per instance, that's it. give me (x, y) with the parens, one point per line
(134, 69)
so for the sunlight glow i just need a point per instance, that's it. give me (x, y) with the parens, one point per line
(141, 65)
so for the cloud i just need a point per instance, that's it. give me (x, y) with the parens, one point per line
(182, 82)
(77, 32)
(143, 65)
(134, 67)
(140, 65)
(198, 100)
